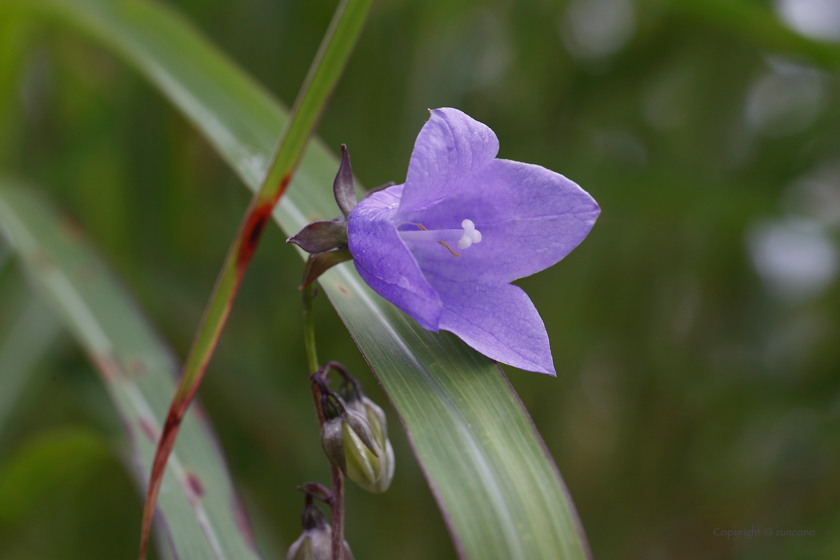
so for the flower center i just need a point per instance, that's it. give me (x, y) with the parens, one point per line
(465, 236)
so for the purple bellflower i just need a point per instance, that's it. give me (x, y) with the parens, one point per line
(445, 246)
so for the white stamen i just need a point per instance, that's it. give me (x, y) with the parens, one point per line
(471, 235)
(465, 236)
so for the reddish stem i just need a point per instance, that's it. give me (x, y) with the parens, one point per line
(316, 395)
(337, 506)
(337, 494)
(240, 252)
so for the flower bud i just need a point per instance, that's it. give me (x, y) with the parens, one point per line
(348, 440)
(316, 541)
(376, 418)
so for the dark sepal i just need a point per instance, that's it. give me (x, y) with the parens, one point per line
(320, 237)
(345, 192)
(331, 405)
(319, 264)
(312, 517)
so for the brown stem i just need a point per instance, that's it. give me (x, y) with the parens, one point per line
(337, 494)
(337, 506)
(316, 395)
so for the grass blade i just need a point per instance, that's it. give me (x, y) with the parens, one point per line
(335, 50)
(199, 511)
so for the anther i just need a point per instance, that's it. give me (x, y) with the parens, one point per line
(471, 235)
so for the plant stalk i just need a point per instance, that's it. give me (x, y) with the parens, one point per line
(337, 507)
(337, 492)
(309, 329)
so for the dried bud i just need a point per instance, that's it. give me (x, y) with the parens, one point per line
(316, 541)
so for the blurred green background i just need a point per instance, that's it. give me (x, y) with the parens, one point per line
(695, 331)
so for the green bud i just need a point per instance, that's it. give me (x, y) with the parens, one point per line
(316, 541)
(350, 445)
(379, 425)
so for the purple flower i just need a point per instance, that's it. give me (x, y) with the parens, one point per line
(444, 246)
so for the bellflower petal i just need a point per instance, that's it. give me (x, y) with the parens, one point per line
(385, 263)
(506, 219)
(500, 321)
(450, 147)
(529, 217)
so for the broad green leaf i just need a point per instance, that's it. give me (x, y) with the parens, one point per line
(200, 510)
(499, 489)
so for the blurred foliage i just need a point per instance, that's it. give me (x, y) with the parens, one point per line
(695, 331)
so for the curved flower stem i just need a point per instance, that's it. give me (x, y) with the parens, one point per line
(317, 491)
(350, 386)
(343, 371)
